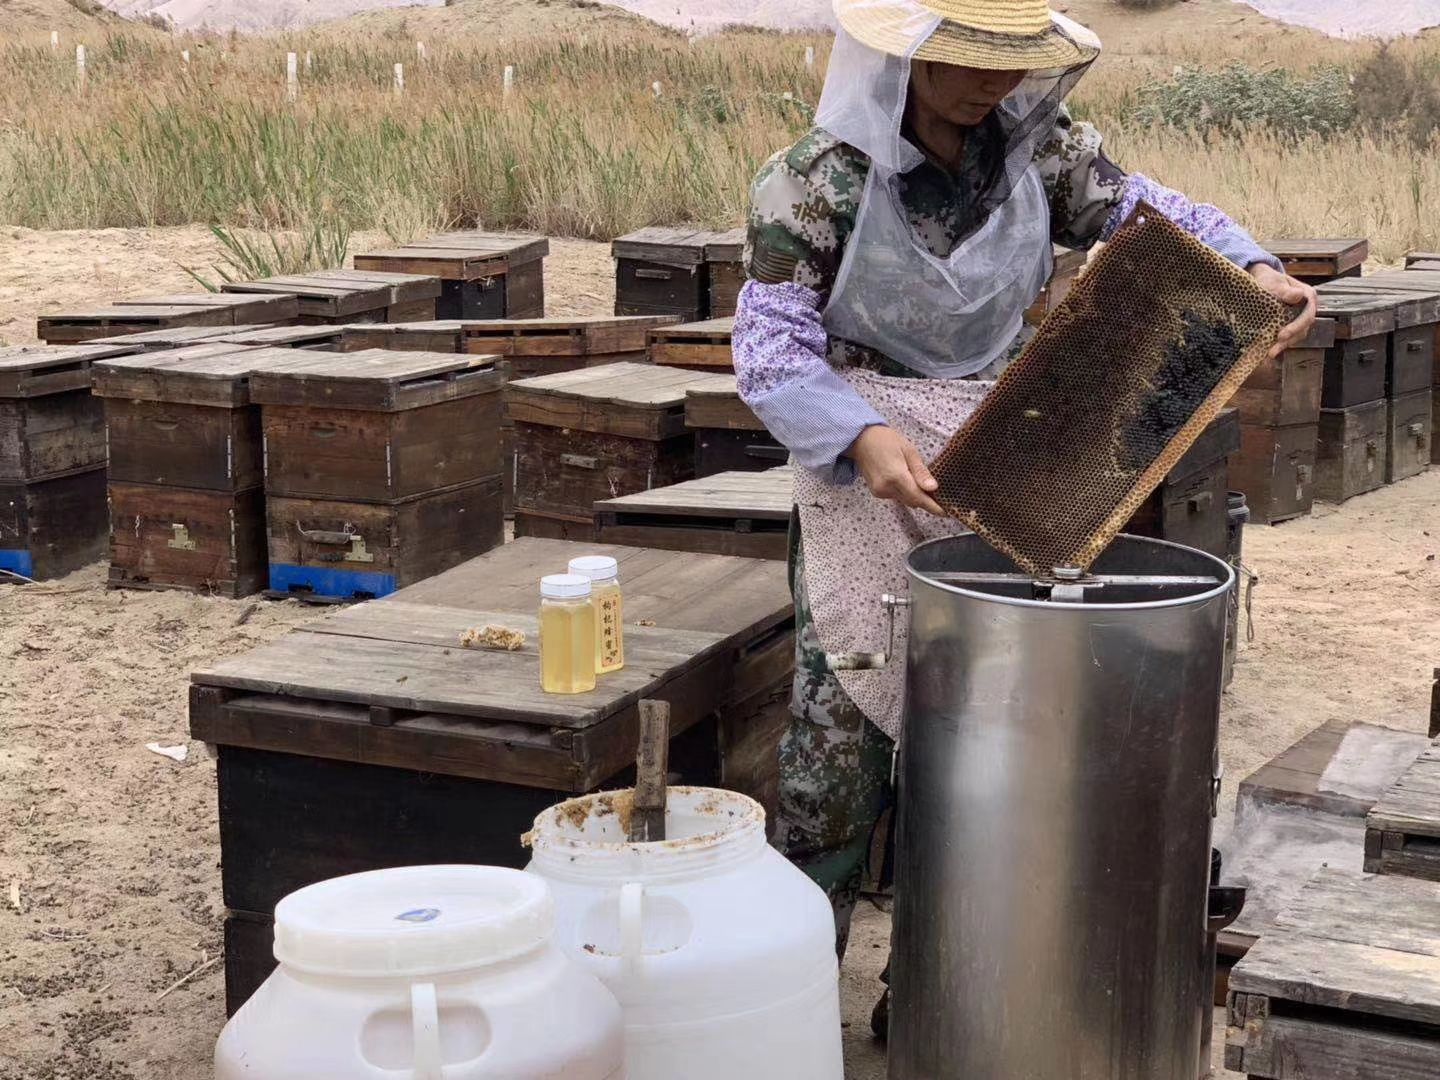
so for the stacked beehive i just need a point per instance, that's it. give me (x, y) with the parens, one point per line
(381, 468)
(164, 313)
(725, 266)
(483, 275)
(699, 346)
(596, 433)
(1377, 397)
(436, 335)
(1190, 505)
(1279, 415)
(187, 504)
(52, 460)
(335, 297)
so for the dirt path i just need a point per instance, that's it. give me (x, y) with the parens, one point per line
(112, 850)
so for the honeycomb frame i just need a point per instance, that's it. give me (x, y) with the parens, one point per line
(1049, 477)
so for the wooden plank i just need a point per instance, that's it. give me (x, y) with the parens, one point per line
(1357, 315)
(1296, 1048)
(448, 264)
(673, 247)
(1293, 778)
(765, 495)
(208, 374)
(718, 406)
(320, 296)
(632, 400)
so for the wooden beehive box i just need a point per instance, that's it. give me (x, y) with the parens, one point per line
(1352, 450)
(373, 739)
(434, 335)
(699, 346)
(662, 271)
(52, 459)
(1189, 507)
(1346, 986)
(729, 437)
(187, 507)
(1409, 436)
(1068, 265)
(1355, 365)
(381, 468)
(1286, 389)
(582, 436)
(162, 313)
(532, 347)
(737, 513)
(182, 337)
(483, 275)
(337, 297)
(1319, 261)
(725, 265)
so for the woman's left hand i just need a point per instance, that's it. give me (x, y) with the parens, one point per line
(1288, 291)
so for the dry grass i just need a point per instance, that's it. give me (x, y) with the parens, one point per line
(583, 147)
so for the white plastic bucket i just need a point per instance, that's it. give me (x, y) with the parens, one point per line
(425, 972)
(721, 953)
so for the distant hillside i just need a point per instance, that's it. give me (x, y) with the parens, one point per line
(24, 19)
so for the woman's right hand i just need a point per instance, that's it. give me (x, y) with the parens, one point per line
(893, 469)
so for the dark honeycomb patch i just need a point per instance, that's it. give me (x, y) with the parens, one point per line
(1117, 384)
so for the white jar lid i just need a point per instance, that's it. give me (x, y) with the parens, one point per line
(564, 586)
(595, 567)
(413, 920)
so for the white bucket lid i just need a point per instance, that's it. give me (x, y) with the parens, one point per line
(413, 920)
(595, 567)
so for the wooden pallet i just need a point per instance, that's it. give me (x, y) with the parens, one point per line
(699, 346)
(737, 513)
(1402, 831)
(1347, 985)
(1317, 261)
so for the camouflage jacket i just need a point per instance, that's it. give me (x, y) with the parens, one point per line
(804, 202)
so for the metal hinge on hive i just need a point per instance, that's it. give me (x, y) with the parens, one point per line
(180, 538)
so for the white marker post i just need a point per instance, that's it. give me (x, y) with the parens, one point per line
(292, 76)
(399, 79)
(809, 56)
(185, 57)
(420, 51)
(507, 80)
(656, 88)
(80, 72)
(55, 41)
(309, 61)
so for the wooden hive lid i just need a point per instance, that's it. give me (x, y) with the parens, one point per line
(1416, 303)
(706, 330)
(1357, 315)
(672, 247)
(717, 405)
(37, 370)
(1319, 256)
(212, 373)
(269, 308)
(766, 494)
(404, 288)
(1364, 944)
(573, 336)
(462, 256)
(636, 400)
(374, 379)
(278, 335)
(320, 296)
(174, 337)
(726, 247)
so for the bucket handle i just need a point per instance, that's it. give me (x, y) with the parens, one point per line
(632, 929)
(425, 1016)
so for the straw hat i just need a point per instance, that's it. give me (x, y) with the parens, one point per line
(997, 35)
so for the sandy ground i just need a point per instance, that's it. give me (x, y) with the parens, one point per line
(109, 890)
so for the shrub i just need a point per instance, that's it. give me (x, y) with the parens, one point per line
(1390, 88)
(1237, 97)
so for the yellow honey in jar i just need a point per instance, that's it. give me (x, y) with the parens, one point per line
(567, 635)
(604, 575)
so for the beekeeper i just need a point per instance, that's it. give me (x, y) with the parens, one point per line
(891, 254)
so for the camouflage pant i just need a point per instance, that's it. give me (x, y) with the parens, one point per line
(835, 771)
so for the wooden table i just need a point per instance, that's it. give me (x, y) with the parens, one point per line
(1402, 831)
(1346, 987)
(733, 513)
(372, 738)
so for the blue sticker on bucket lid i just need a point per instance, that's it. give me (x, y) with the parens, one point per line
(419, 915)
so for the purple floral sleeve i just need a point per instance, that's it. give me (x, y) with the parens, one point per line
(783, 374)
(1206, 223)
